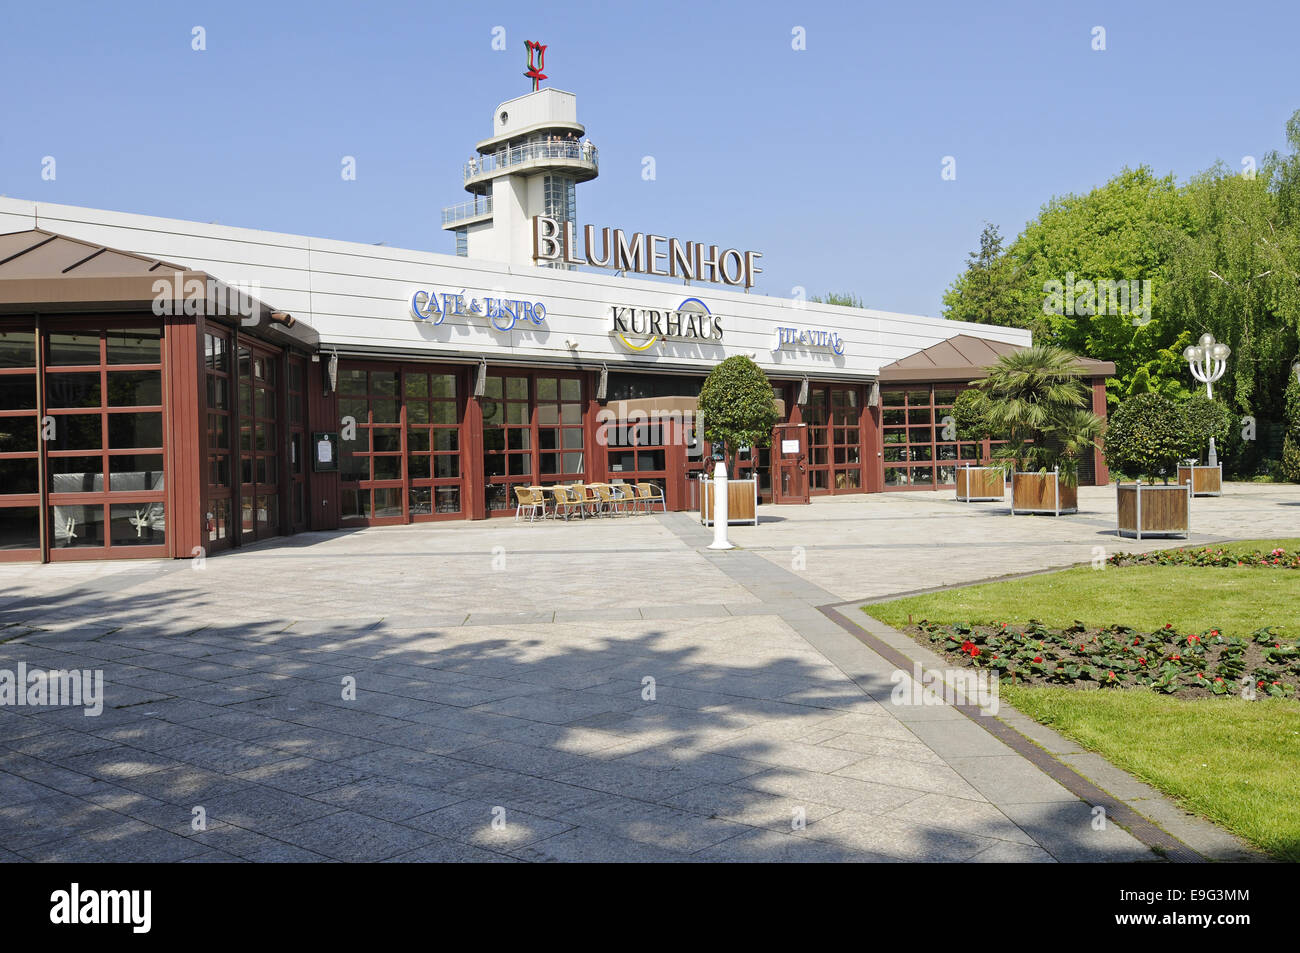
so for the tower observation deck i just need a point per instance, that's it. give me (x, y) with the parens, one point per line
(531, 165)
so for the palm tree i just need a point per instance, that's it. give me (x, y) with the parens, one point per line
(1036, 399)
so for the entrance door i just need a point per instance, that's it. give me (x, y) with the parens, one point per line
(296, 388)
(790, 463)
(259, 443)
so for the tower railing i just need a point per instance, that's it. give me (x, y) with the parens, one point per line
(481, 205)
(529, 152)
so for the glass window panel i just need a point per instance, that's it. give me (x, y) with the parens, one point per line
(919, 452)
(352, 382)
(645, 460)
(442, 385)
(417, 440)
(388, 502)
(388, 468)
(419, 467)
(444, 412)
(217, 352)
(495, 387)
(519, 464)
(548, 388)
(448, 499)
(20, 526)
(76, 347)
(517, 388)
(493, 438)
(570, 389)
(570, 413)
(219, 470)
(295, 376)
(353, 468)
(72, 390)
(20, 476)
(17, 349)
(417, 412)
(265, 405)
(446, 467)
(134, 345)
(136, 472)
(268, 515)
(572, 438)
(517, 414)
(493, 412)
(385, 411)
(421, 500)
(945, 396)
(893, 453)
(548, 414)
(355, 503)
(246, 473)
(135, 430)
(918, 415)
(947, 451)
(851, 479)
(550, 464)
(921, 397)
(246, 397)
(78, 525)
(519, 438)
(265, 437)
(18, 392)
(77, 432)
(416, 386)
(920, 434)
(357, 409)
(446, 440)
(218, 393)
(386, 440)
(495, 465)
(548, 439)
(135, 388)
(218, 519)
(892, 398)
(383, 383)
(296, 408)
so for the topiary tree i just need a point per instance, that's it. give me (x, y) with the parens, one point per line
(736, 407)
(1207, 420)
(1035, 399)
(1146, 437)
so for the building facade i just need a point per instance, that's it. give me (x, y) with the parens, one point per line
(170, 387)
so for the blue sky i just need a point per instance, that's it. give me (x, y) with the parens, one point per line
(826, 160)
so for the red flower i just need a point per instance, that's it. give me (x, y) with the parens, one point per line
(1142, 661)
(1039, 658)
(1169, 625)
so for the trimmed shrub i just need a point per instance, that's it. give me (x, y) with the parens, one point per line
(1146, 436)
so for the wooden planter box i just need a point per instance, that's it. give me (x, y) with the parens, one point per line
(742, 501)
(1042, 493)
(1206, 481)
(980, 484)
(1154, 509)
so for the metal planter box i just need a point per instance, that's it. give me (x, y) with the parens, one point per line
(1206, 481)
(980, 484)
(1153, 509)
(1042, 493)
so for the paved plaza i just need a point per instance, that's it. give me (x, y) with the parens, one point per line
(598, 690)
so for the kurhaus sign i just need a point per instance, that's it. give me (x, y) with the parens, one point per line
(639, 329)
(644, 254)
(504, 313)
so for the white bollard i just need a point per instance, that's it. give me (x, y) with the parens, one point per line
(720, 507)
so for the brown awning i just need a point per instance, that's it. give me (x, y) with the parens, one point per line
(47, 272)
(967, 358)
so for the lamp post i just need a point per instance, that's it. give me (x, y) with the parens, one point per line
(1208, 360)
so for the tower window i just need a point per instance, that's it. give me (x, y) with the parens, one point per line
(462, 242)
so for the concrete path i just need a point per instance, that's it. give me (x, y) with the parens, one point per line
(605, 690)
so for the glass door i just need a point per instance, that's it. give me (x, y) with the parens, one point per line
(259, 444)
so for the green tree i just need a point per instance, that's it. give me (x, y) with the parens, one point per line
(1146, 436)
(736, 406)
(1037, 400)
(986, 291)
(968, 416)
(1291, 442)
(1206, 419)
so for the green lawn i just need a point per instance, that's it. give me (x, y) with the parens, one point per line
(1232, 761)
(1235, 601)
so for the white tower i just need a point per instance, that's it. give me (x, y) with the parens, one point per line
(530, 166)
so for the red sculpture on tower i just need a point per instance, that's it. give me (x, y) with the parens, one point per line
(535, 72)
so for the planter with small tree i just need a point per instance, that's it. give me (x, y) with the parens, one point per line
(1207, 420)
(1036, 400)
(1147, 435)
(736, 409)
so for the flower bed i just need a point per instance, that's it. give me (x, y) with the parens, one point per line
(1190, 664)
(1276, 559)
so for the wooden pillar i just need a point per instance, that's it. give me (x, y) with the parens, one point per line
(474, 499)
(185, 437)
(1099, 408)
(322, 415)
(873, 464)
(597, 463)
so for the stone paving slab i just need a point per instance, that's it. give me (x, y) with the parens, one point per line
(691, 706)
